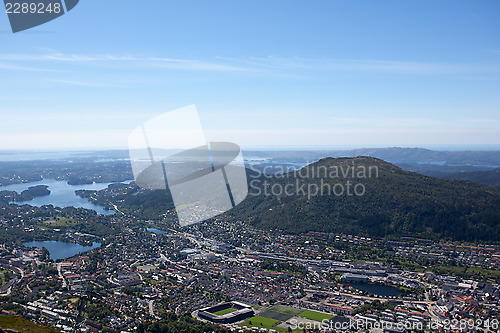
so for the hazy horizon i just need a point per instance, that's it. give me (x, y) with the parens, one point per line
(338, 73)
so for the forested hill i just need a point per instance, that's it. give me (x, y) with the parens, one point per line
(490, 177)
(394, 203)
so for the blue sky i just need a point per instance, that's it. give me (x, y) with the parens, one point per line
(262, 73)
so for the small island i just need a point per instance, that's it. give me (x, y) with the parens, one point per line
(80, 181)
(33, 192)
(85, 193)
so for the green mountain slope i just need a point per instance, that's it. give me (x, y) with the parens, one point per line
(394, 203)
(491, 177)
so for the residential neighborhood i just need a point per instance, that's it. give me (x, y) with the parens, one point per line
(146, 273)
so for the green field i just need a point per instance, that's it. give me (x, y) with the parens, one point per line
(280, 312)
(275, 315)
(60, 222)
(21, 325)
(315, 315)
(262, 322)
(286, 309)
(223, 312)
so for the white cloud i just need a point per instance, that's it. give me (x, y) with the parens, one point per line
(192, 65)
(384, 122)
(83, 83)
(264, 64)
(365, 65)
(122, 61)
(55, 56)
(8, 66)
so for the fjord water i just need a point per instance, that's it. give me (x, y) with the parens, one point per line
(62, 250)
(62, 194)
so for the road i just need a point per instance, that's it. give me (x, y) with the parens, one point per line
(115, 208)
(7, 289)
(61, 276)
(151, 309)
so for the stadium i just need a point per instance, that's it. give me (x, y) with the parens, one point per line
(226, 313)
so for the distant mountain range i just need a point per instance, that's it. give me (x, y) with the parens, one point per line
(442, 164)
(393, 154)
(395, 203)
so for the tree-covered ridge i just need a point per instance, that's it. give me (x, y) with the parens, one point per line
(131, 200)
(491, 177)
(395, 203)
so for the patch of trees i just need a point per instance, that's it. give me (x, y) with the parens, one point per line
(285, 267)
(171, 323)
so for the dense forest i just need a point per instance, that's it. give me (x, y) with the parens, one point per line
(172, 324)
(394, 203)
(490, 177)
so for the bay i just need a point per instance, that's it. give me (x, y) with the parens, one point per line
(62, 194)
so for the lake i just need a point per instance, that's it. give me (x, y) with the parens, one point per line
(62, 194)
(375, 289)
(62, 250)
(156, 231)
